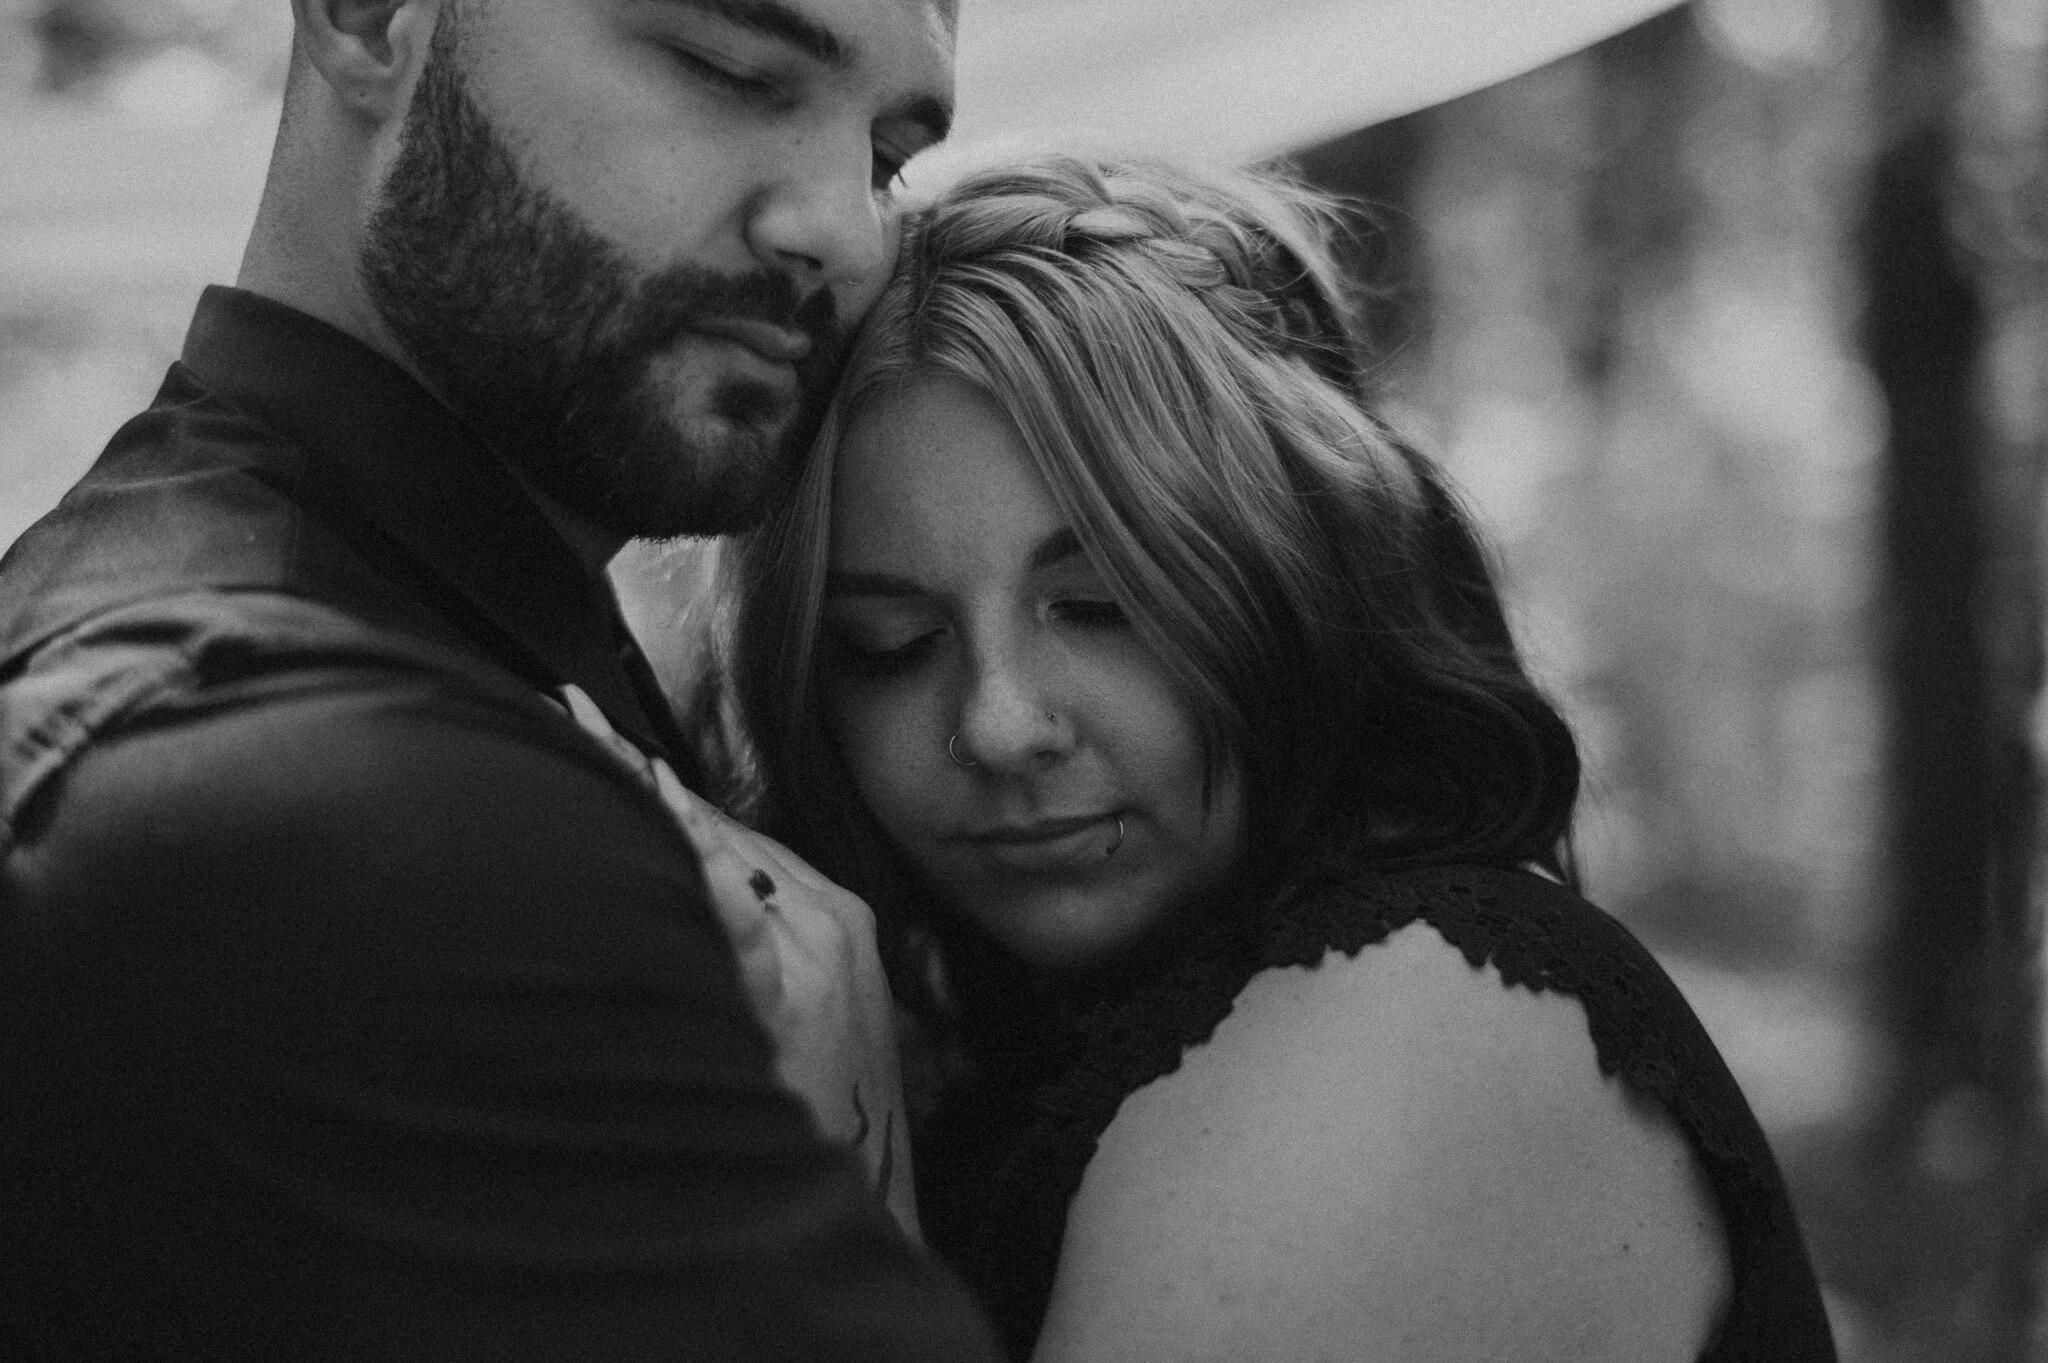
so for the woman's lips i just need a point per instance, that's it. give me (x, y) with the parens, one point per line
(1047, 844)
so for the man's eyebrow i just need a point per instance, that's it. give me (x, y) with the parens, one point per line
(1060, 545)
(776, 20)
(773, 19)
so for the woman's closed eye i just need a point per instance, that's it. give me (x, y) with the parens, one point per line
(880, 654)
(1087, 612)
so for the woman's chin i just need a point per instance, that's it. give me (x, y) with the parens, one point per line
(1059, 954)
(1070, 932)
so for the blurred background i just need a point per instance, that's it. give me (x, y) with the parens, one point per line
(1734, 327)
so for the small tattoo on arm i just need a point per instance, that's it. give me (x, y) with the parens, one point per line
(763, 886)
(860, 1135)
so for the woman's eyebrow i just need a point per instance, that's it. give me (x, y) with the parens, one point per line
(1060, 545)
(869, 584)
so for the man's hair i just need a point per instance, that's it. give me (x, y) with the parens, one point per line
(1179, 355)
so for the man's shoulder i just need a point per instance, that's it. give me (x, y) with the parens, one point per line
(316, 790)
(227, 685)
(189, 492)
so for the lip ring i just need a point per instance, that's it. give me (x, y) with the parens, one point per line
(1119, 839)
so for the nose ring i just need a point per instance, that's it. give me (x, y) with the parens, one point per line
(952, 753)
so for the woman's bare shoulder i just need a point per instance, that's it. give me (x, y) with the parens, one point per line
(1390, 1155)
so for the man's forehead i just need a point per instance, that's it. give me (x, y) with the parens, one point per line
(937, 19)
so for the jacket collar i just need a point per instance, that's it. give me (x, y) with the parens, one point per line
(427, 480)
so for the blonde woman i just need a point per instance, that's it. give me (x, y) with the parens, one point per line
(1160, 703)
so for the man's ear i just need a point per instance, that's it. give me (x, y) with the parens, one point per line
(368, 51)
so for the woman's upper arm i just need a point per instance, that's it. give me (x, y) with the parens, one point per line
(1389, 1156)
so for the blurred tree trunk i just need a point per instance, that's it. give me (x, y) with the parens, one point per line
(1951, 1160)
(1377, 167)
(1638, 214)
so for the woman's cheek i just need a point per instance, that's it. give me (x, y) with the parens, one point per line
(877, 741)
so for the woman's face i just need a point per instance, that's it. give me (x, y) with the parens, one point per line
(960, 607)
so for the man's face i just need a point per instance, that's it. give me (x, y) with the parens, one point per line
(626, 238)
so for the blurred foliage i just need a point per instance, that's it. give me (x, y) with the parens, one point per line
(1641, 331)
(1639, 359)
(142, 51)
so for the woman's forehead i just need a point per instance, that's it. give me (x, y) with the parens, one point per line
(936, 472)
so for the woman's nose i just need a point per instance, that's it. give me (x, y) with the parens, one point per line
(1010, 722)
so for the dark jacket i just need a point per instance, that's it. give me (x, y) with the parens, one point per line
(353, 1004)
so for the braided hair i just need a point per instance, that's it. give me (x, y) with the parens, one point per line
(1180, 355)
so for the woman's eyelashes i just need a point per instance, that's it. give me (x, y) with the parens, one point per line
(1087, 613)
(875, 645)
(872, 656)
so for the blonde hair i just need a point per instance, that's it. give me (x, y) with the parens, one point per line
(1178, 353)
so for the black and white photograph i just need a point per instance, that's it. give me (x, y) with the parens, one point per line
(1023, 681)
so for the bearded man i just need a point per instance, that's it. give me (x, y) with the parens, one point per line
(353, 1002)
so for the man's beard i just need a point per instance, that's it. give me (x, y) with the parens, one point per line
(535, 329)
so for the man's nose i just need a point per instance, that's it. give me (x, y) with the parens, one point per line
(823, 222)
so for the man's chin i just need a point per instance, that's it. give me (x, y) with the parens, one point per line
(706, 379)
(672, 455)
(726, 445)
(717, 476)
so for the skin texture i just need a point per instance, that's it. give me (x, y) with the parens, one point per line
(956, 609)
(643, 141)
(1390, 1157)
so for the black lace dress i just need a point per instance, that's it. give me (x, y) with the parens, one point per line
(1001, 1156)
